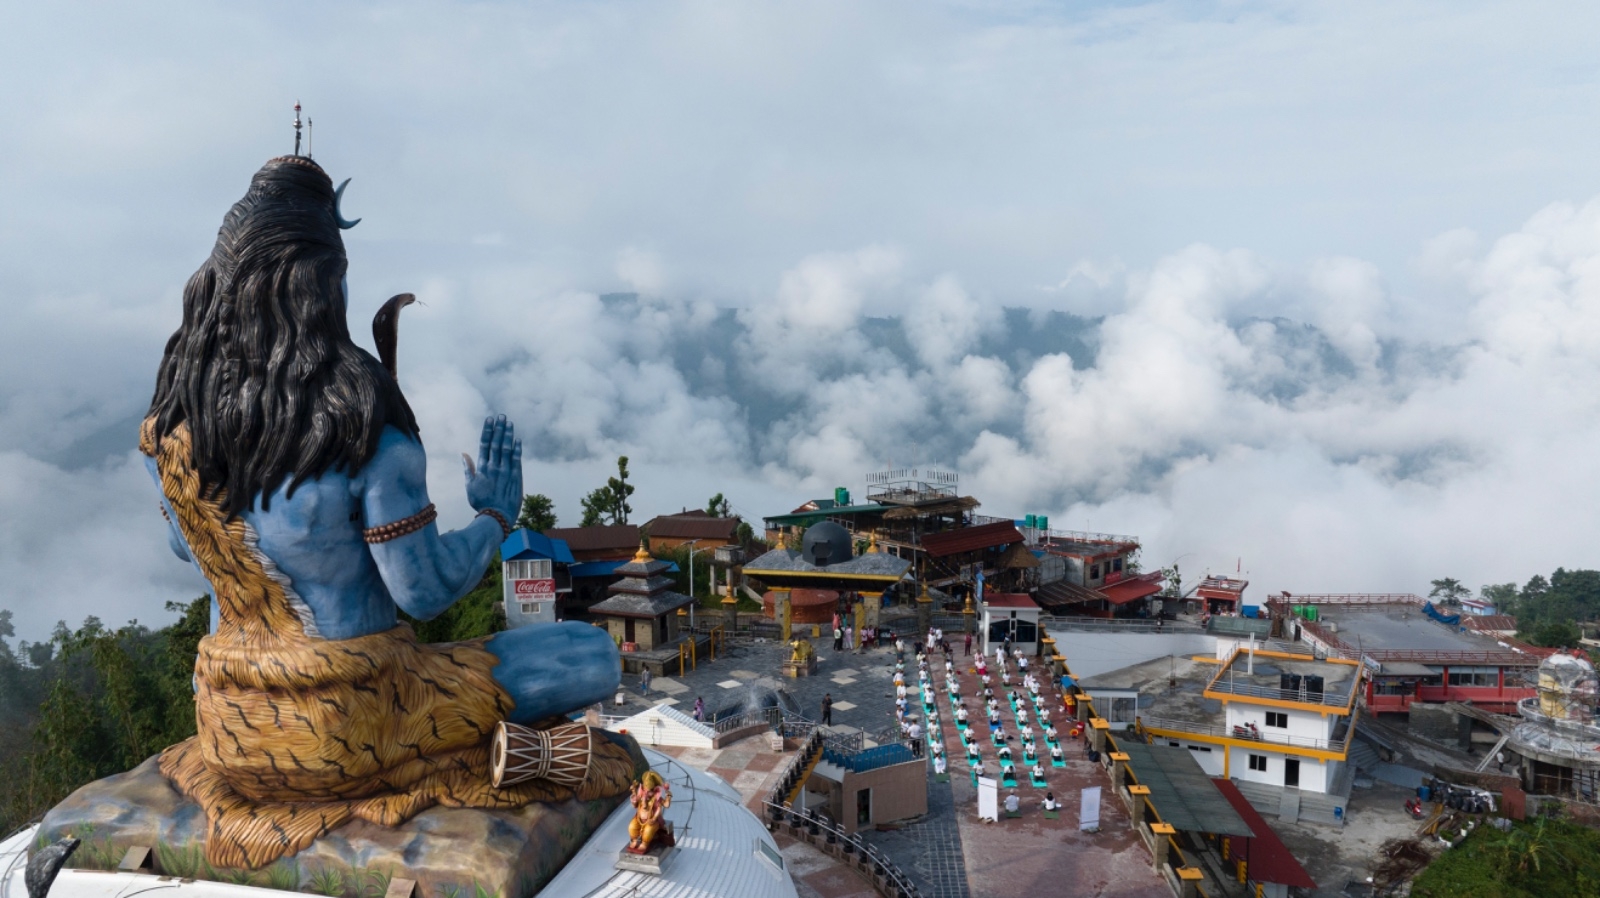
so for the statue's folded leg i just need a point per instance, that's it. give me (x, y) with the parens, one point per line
(554, 669)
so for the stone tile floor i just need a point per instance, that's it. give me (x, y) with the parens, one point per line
(949, 852)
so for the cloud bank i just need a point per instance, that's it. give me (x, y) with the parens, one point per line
(1247, 280)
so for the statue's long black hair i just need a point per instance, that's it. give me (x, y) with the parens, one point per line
(263, 369)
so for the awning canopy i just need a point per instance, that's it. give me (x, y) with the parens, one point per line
(1183, 794)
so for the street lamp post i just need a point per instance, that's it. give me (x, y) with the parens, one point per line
(690, 544)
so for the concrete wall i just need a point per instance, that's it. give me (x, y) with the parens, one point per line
(1210, 757)
(1089, 653)
(1435, 722)
(1302, 724)
(1313, 772)
(899, 792)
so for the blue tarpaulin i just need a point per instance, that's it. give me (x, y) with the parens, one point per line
(1449, 620)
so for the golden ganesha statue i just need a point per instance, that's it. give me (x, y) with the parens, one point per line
(651, 797)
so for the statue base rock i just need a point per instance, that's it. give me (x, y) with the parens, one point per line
(447, 851)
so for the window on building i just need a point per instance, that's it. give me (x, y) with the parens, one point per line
(1116, 566)
(1199, 748)
(530, 569)
(1278, 719)
(1258, 762)
(1094, 572)
(529, 607)
(1474, 676)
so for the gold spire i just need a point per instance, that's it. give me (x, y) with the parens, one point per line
(872, 542)
(643, 555)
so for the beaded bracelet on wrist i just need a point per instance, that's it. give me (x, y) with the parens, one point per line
(402, 527)
(505, 528)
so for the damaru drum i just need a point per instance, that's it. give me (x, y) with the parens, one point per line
(559, 754)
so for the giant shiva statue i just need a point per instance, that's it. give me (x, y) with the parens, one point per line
(292, 476)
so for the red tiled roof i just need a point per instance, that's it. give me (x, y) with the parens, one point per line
(968, 539)
(1266, 858)
(1133, 588)
(1010, 600)
(692, 526)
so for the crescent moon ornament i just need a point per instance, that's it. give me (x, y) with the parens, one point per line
(338, 195)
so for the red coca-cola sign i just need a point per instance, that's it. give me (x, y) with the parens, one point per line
(534, 590)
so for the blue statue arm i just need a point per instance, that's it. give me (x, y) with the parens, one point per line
(174, 536)
(427, 571)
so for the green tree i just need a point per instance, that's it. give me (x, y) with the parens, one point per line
(480, 612)
(111, 699)
(538, 513)
(1503, 596)
(609, 504)
(1449, 591)
(1555, 634)
(718, 507)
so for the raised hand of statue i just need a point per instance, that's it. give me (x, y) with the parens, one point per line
(495, 482)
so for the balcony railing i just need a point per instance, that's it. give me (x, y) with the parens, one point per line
(1338, 695)
(1339, 743)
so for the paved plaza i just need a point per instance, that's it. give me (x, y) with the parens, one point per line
(949, 852)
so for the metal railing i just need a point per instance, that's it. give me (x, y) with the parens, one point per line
(886, 877)
(1334, 744)
(1336, 696)
(1127, 625)
(764, 716)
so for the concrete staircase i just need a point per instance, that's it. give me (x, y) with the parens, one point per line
(1363, 756)
(1289, 805)
(1292, 805)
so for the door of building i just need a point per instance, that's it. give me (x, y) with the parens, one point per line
(1291, 773)
(627, 630)
(864, 807)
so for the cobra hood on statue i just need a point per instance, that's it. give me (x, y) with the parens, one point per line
(293, 477)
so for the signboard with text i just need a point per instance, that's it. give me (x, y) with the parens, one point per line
(534, 590)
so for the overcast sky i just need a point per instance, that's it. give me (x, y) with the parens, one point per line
(1312, 287)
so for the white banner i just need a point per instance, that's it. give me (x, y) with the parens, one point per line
(1089, 809)
(988, 799)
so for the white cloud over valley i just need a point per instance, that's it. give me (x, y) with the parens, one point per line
(1315, 307)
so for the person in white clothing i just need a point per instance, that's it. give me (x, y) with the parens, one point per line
(939, 765)
(1013, 804)
(1022, 717)
(1038, 772)
(1055, 752)
(1050, 803)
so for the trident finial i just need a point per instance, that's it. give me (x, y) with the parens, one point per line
(297, 127)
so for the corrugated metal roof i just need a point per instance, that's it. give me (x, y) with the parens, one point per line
(680, 526)
(1063, 593)
(601, 536)
(787, 561)
(1183, 794)
(968, 539)
(809, 517)
(529, 544)
(1010, 600)
(1125, 591)
(1266, 858)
